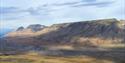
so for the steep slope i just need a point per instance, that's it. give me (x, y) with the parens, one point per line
(84, 33)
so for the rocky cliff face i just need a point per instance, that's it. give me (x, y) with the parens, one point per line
(90, 33)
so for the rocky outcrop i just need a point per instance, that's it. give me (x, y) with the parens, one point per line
(36, 27)
(20, 28)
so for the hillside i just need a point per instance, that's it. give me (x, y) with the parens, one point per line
(92, 41)
(84, 33)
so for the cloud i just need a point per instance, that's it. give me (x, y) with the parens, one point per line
(89, 1)
(33, 11)
(41, 10)
(14, 13)
(67, 3)
(11, 13)
(49, 12)
(81, 3)
(6, 10)
(97, 4)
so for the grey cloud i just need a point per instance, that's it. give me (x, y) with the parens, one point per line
(39, 11)
(82, 3)
(98, 4)
(68, 3)
(10, 10)
(5, 10)
(15, 10)
(33, 11)
(11, 13)
(88, 1)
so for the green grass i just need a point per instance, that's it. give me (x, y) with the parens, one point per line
(36, 58)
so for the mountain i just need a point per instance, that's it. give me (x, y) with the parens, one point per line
(20, 28)
(97, 39)
(26, 32)
(84, 33)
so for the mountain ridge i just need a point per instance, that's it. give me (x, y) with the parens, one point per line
(95, 32)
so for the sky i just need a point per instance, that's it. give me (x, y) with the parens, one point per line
(16, 13)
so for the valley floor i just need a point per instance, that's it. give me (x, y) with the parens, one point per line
(52, 59)
(70, 56)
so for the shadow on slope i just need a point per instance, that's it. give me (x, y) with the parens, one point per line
(71, 32)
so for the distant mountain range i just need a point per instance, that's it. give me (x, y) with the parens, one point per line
(101, 31)
(84, 33)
